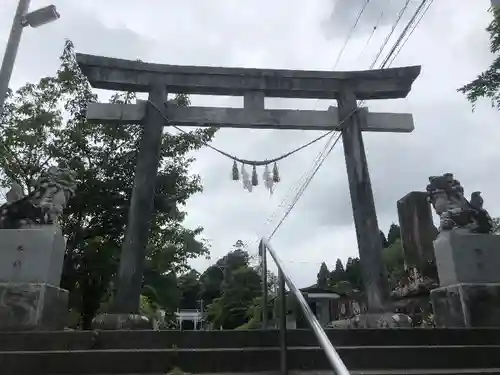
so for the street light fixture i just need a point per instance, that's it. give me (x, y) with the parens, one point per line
(41, 16)
(22, 19)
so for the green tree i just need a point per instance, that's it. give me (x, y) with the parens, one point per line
(323, 276)
(231, 309)
(394, 261)
(189, 288)
(383, 239)
(393, 234)
(353, 273)
(161, 291)
(338, 274)
(234, 260)
(211, 280)
(254, 315)
(211, 284)
(272, 280)
(496, 225)
(343, 287)
(43, 124)
(231, 289)
(240, 245)
(487, 84)
(339, 267)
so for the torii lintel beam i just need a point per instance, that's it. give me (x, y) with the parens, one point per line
(249, 119)
(128, 75)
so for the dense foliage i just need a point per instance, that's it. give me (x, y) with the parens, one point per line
(43, 124)
(487, 84)
(349, 278)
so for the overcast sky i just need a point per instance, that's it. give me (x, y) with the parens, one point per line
(450, 44)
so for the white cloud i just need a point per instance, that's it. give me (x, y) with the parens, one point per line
(450, 44)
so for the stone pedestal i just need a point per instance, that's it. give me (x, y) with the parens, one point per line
(29, 306)
(31, 262)
(469, 293)
(467, 305)
(463, 257)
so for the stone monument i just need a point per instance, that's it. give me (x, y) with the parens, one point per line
(467, 258)
(32, 251)
(411, 295)
(418, 234)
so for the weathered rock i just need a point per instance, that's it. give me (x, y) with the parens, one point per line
(374, 320)
(110, 321)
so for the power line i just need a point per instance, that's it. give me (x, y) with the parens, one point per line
(319, 163)
(386, 40)
(293, 189)
(383, 65)
(374, 30)
(370, 37)
(412, 30)
(349, 36)
(404, 32)
(304, 186)
(268, 161)
(318, 158)
(304, 177)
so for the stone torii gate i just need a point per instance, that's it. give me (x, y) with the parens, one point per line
(254, 85)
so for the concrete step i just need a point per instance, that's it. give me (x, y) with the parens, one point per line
(81, 340)
(150, 361)
(372, 372)
(428, 372)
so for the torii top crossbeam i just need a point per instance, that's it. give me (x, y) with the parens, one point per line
(126, 75)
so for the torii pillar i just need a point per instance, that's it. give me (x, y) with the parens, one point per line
(254, 85)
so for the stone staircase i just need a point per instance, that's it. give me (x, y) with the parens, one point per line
(384, 352)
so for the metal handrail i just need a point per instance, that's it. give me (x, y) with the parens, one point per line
(331, 354)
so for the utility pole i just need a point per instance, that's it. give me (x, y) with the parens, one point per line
(11, 50)
(21, 19)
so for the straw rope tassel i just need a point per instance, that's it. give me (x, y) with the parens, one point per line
(255, 179)
(276, 173)
(236, 175)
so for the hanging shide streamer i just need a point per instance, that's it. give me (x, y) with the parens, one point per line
(247, 184)
(268, 180)
(249, 181)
